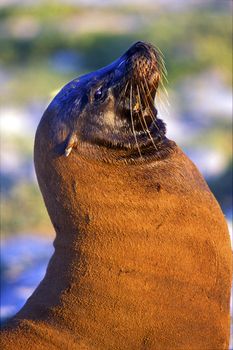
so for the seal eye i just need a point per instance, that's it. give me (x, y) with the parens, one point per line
(98, 94)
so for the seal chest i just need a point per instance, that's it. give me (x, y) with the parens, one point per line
(142, 254)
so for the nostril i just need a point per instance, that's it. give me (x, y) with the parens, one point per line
(140, 48)
(141, 45)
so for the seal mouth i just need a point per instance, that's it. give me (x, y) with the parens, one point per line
(143, 73)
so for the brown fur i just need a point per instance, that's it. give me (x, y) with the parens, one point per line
(142, 257)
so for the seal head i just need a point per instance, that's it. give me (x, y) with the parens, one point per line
(114, 108)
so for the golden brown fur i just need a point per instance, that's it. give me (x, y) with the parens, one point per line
(142, 259)
(142, 255)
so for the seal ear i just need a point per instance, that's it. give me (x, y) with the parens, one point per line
(71, 143)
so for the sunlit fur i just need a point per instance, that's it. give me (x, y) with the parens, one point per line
(142, 256)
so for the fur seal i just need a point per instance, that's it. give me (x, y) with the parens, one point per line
(142, 251)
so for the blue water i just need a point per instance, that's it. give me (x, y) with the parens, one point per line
(24, 259)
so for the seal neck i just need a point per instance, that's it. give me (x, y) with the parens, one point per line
(94, 208)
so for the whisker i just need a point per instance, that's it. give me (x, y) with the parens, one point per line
(149, 93)
(162, 95)
(153, 118)
(163, 87)
(122, 94)
(162, 101)
(142, 125)
(131, 115)
(148, 131)
(144, 128)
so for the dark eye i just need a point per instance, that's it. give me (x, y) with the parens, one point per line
(98, 94)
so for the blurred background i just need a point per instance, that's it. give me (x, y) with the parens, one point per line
(44, 44)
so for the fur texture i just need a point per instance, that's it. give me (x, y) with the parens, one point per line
(142, 253)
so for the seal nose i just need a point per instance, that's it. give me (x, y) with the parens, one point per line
(140, 47)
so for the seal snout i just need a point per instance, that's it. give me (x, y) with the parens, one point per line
(145, 62)
(143, 69)
(140, 47)
(129, 114)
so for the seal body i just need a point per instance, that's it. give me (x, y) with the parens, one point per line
(142, 252)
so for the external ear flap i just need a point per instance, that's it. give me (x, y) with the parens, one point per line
(71, 143)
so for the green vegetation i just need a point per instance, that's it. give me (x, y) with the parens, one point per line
(191, 42)
(23, 210)
(219, 136)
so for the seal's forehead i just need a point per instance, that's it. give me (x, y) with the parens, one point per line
(80, 86)
(93, 77)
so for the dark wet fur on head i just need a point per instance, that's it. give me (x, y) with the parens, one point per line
(113, 107)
